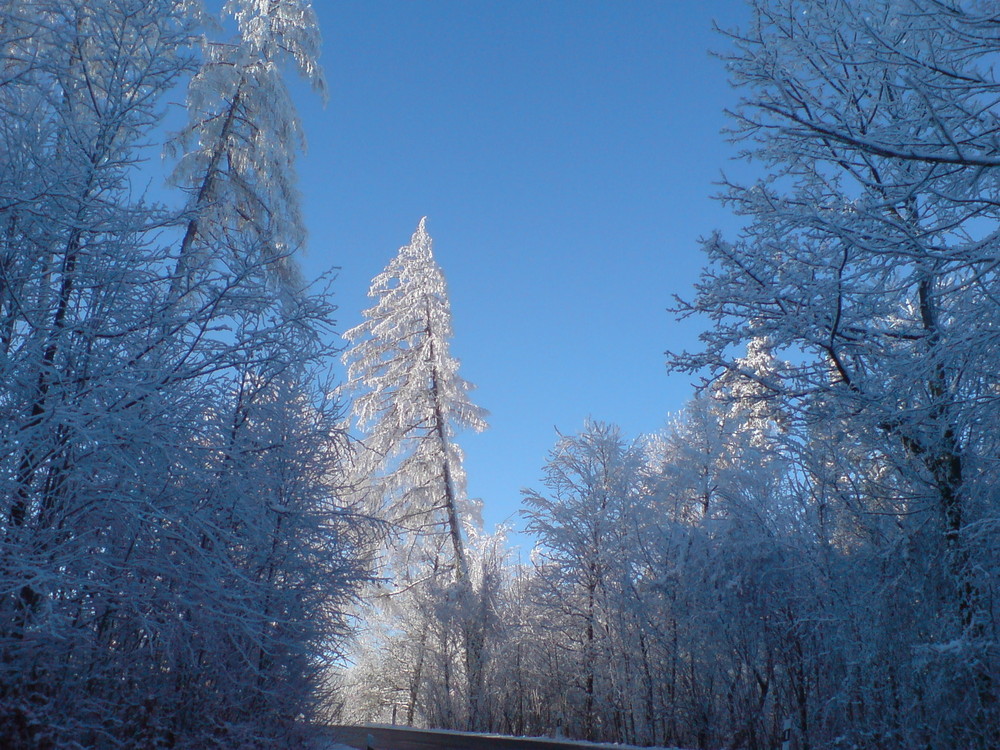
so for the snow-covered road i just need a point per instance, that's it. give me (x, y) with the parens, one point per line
(380, 737)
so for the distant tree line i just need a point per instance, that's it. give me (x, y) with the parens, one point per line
(816, 538)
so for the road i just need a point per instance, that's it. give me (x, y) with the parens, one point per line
(400, 738)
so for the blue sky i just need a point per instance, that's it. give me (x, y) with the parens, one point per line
(564, 152)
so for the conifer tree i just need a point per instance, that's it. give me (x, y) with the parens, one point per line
(409, 401)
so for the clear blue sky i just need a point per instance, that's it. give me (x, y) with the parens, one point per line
(564, 152)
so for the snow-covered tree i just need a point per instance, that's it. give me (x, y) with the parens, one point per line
(237, 151)
(869, 256)
(172, 546)
(408, 403)
(586, 535)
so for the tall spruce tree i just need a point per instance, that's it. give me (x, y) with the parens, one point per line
(409, 401)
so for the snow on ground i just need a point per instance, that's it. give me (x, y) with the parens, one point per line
(570, 743)
(338, 746)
